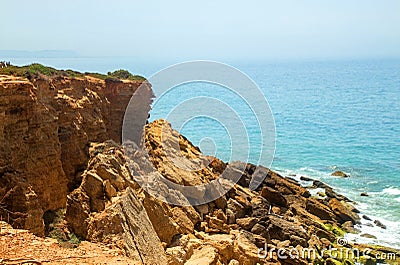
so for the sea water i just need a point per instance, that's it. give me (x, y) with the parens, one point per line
(332, 115)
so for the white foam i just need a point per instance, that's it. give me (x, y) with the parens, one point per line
(385, 237)
(392, 191)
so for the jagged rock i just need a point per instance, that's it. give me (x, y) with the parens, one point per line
(282, 229)
(349, 227)
(314, 242)
(238, 209)
(78, 211)
(379, 224)
(45, 130)
(141, 241)
(318, 209)
(164, 226)
(319, 184)
(305, 178)
(206, 255)
(221, 202)
(109, 189)
(246, 223)
(123, 221)
(224, 244)
(366, 218)
(259, 229)
(273, 196)
(245, 251)
(321, 233)
(331, 194)
(343, 212)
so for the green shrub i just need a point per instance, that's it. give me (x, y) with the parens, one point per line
(124, 74)
(37, 70)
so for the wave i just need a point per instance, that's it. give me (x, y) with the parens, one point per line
(371, 206)
(392, 191)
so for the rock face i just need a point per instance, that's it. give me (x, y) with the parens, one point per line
(46, 126)
(119, 216)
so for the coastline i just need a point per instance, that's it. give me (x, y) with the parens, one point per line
(386, 236)
(97, 197)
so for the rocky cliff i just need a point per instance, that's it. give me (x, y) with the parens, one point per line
(60, 150)
(46, 126)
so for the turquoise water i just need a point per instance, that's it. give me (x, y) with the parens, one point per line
(328, 115)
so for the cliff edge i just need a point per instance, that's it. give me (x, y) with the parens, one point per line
(46, 125)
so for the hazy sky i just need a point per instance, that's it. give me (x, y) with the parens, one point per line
(205, 29)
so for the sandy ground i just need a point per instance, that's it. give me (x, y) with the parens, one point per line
(21, 247)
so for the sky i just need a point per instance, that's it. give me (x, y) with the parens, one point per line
(205, 29)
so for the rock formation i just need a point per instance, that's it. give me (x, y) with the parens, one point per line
(46, 126)
(60, 148)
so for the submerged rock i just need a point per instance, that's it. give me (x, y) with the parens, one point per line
(339, 173)
(379, 224)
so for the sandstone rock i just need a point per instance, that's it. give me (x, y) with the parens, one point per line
(343, 212)
(318, 209)
(238, 209)
(245, 251)
(164, 226)
(78, 211)
(45, 130)
(273, 196)
(259, 229)
(140, 238)
(206, 255)
(349, 227)
(283, 230)
(247, 223)
(109, 189)
(224, 244)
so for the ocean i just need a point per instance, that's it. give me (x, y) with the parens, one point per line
(331, 115)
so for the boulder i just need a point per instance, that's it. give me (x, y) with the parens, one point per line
(247, 223)
(366, 218)
(349, 227)
(206, 255)
(318, 209)
(283, 230)
(273, 196)
(379, 224)
(339, 173)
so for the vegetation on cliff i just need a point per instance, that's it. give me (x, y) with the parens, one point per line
(37, 70)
